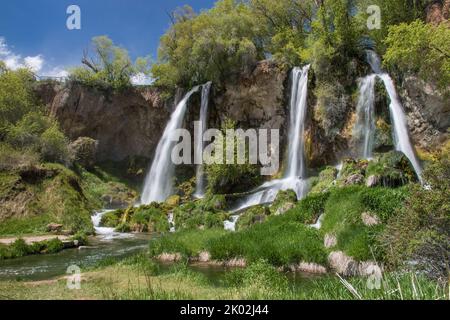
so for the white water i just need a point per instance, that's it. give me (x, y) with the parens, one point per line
(230, 225)
(159, 181)
(318, 224)
(364, 131)
(170, 219)
(103, 232)
(199, 144)
(401, 133)
(295, 174)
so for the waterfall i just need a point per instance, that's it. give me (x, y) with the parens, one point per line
(400, 132)
(199, 144)
(295, 174)
(159, 181)
(364, 130)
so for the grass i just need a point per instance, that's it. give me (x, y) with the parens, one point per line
(189, 243)
(343, 212)
(138, 278)
(278, 243)
(20, 248)
(36, 225)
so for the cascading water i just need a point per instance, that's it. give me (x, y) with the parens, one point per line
(295, 174)
(159, 181)
(364, 131)
(401, 133)
(199, 144)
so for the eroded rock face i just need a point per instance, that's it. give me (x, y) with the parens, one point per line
(256, 100)
(427, 111)
(125, 124)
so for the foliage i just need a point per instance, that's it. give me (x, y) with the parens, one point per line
(209, 46)
(110, 66)
(231, 178)
(420, 48)
(20, 248)
(250, 217)
(40, 133)
(206, 213)
(16, 97)
(421, 229)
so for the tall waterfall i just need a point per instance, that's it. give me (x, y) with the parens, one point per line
(159, 181)
(199, 144)
(295, 174)
(364, 131)
(401, 133)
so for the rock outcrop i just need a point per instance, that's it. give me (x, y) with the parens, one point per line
(125, 124)
(428, 112)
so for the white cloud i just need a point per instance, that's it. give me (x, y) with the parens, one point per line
(141, 79)
(36, 63)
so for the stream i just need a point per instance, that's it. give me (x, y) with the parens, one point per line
(107, 244)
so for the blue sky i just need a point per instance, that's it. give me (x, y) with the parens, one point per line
(34, 33)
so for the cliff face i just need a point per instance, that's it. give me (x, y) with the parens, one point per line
(428, 113)
(125, 124)
(131, 123)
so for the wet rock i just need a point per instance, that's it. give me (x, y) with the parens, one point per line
(204, 256)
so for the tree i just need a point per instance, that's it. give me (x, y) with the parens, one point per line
(210, 46)
(16, 98)
(420, 48)
(108, 65)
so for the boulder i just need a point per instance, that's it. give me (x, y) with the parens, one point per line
(370, 219)
(373, 181)
(83, 151)
(54, 227)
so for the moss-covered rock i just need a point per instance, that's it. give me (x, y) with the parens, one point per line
(325, 180)
(253, 216)
(206, 213)
(147, 218)
(390, 169)
(284, 201)
(383, 136)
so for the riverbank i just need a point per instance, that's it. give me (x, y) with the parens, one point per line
(140, 278)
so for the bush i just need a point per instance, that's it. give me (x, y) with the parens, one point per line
(40, 133)
(252, 216)
(54, 146)
(54, 246)
(421, 229)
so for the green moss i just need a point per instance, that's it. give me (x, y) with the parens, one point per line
(308, 210)
(283, 198)
(205, 213)
(325, 180)
(392, 168)
(252, 216)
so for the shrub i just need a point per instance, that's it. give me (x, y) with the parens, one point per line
(421, 229)
(54, 246)
(54, 146)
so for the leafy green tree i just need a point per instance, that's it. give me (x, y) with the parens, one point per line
(393, 12)
(420, 48)
(210, 46)
(109, 66)
(16, 98)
